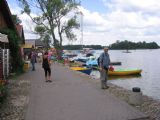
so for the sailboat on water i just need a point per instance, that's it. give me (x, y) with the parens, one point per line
(127, 51)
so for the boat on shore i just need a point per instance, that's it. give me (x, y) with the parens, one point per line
(94, 63)
(115, 63)
(82, 69)
(123, 77)
(124, 72)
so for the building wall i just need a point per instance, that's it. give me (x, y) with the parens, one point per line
(1, 65)
(2, 21)
(31, 41)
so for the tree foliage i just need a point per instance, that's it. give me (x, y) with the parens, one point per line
(79, 47)
(44, 35)
(16, 19)
(132, 45)
(55, 17)
(118, 45)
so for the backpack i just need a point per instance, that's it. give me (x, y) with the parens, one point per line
(98, 60)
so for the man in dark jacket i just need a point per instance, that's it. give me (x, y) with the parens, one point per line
(104, 60)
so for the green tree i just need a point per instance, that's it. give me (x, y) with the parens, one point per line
(16, 19)
(55, 17)
(44, 35)
(131, 45)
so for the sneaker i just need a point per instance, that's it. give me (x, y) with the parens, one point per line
(103, 88)
(106, 87)
(49, 80)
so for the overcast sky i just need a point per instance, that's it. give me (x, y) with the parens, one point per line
(105, 21)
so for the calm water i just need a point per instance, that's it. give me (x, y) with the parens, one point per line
(147, 60)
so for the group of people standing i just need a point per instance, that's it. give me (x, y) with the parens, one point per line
(46, 63)
(104, 61)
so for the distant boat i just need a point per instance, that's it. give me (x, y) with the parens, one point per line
(69, 54)
(86, 50)
(81, 58)
(89, 55)
(127, 51)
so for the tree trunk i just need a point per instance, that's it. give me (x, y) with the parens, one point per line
(60, 51)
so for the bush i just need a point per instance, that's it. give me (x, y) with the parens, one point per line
(3, 92)
(16, 58)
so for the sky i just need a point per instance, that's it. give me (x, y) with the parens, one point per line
(106, 21)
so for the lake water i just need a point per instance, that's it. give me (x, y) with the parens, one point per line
(147, 60)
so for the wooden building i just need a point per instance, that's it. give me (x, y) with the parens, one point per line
(6, 22)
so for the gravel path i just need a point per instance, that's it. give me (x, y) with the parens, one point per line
(15, 106)
(73, 96)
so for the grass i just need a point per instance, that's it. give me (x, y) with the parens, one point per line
(16, 74)
(4, 88)
(74, 65)
(61, 61)
(3, 92)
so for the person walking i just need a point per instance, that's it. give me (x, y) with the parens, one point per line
(33, 60)
(46, 66)
(104, 61)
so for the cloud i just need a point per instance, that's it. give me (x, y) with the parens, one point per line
(125, 19)
(134, 20)
(27, 23)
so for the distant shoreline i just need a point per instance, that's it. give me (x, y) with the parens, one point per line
(117, 49)
(118, 45)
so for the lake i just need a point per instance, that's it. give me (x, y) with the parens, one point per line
(147, 60)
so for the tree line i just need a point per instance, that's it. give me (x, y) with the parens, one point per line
(116, 46)
(132, 45)
(79, 47)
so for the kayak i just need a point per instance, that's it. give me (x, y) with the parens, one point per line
(92, 63)
(123, 72)
(123, 77)
(82, 69)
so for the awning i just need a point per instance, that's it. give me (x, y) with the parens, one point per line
(27, 46)
(3, 38)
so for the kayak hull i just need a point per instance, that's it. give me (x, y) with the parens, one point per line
(82, 69)
(124, 72)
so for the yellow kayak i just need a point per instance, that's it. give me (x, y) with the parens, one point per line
(78, 68)
(123, 72)
(82, 69)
